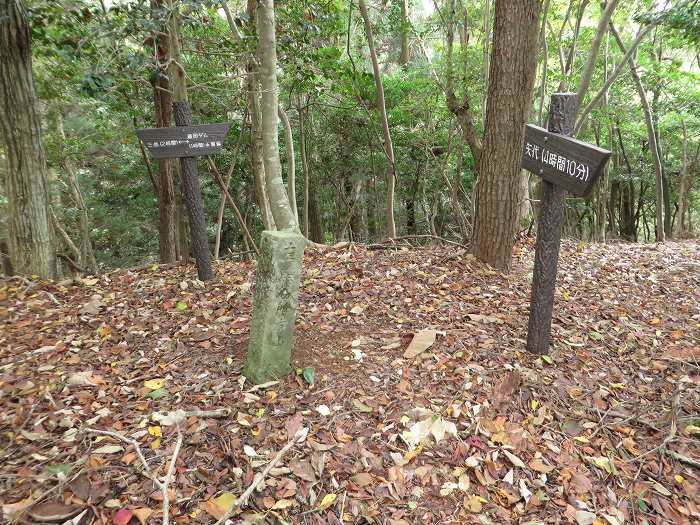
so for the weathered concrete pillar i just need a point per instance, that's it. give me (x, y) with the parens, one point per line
(274, 306)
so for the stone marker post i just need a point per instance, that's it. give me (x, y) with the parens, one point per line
(193, 199)
(274, 306)
(562, 117)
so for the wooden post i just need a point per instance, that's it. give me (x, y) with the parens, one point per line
(562, 118)
(193, 198)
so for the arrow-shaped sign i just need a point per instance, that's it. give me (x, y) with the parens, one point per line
(184, 141)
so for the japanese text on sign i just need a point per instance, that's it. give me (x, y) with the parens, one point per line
(567, 166)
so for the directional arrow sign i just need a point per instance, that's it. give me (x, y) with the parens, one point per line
(563, 161)
(184, 141)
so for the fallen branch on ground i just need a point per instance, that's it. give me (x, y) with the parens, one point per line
(683, 459)
(162, 485)
(243, 500)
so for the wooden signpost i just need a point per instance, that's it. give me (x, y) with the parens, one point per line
(565, 164)
(187, 142)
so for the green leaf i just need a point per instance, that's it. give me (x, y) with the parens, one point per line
(157, 394)
(547, 359)
(181, 306)
(596, 336)
(58, 468)
(308, 374)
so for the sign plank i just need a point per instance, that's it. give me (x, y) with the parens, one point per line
(184, 141)
(564, 161)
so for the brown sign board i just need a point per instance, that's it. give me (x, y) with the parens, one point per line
(564, 161)
(184, 141)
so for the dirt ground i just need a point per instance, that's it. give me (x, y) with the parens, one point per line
(604, 429)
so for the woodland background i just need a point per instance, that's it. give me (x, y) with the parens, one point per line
(102, 69)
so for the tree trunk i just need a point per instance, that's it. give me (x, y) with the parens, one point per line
(405, 26)
(304, 165)
(381, 106)
(31, 236)
(682, 222)
(291, 164)
(511, 79)
(279, 202)
(651, 133)
(167, 227)
(487, 40)
(87, 254)
(178, 89)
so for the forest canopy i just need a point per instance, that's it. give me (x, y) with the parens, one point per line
(101, 69)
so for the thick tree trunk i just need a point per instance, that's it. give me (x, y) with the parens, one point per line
(511, 79)
(167, 227)
(381, 106)
(279, 202)
(31, 236)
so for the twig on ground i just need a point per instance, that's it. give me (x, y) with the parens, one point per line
(243, 500)
(262, 386)
(161, 485)
(683, 459)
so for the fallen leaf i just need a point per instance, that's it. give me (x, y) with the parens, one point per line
(142, 514)
(420, 343)
(328, 500)
(515, 460)
(108, 449)
(122, 517)
(154, 384)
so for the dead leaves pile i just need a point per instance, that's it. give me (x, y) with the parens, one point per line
(423, 409)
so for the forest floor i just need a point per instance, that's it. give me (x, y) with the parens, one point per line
(603, 430)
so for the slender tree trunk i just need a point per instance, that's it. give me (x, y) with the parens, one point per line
(601, 191)
(291, 164)
(31, 236)
(304, 165)
(167, 226)
(651, 133)
(682, 222)
(381, 106)
(256, 146)
(279, 202)
(87, 254)
(487, 40)
(589, 67)
(511, 79)
(405, 26)
(178, 89)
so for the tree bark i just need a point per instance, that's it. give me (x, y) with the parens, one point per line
(381, 106)
(562, 118)
(193, 197)
(291, 164)
(405, 25)
(31, 236)
(279, 202)
(304, 165)
(178, 89)
(511, 79)
(167, 227)
(651, 133)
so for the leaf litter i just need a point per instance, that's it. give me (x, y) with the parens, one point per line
(404, 426)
